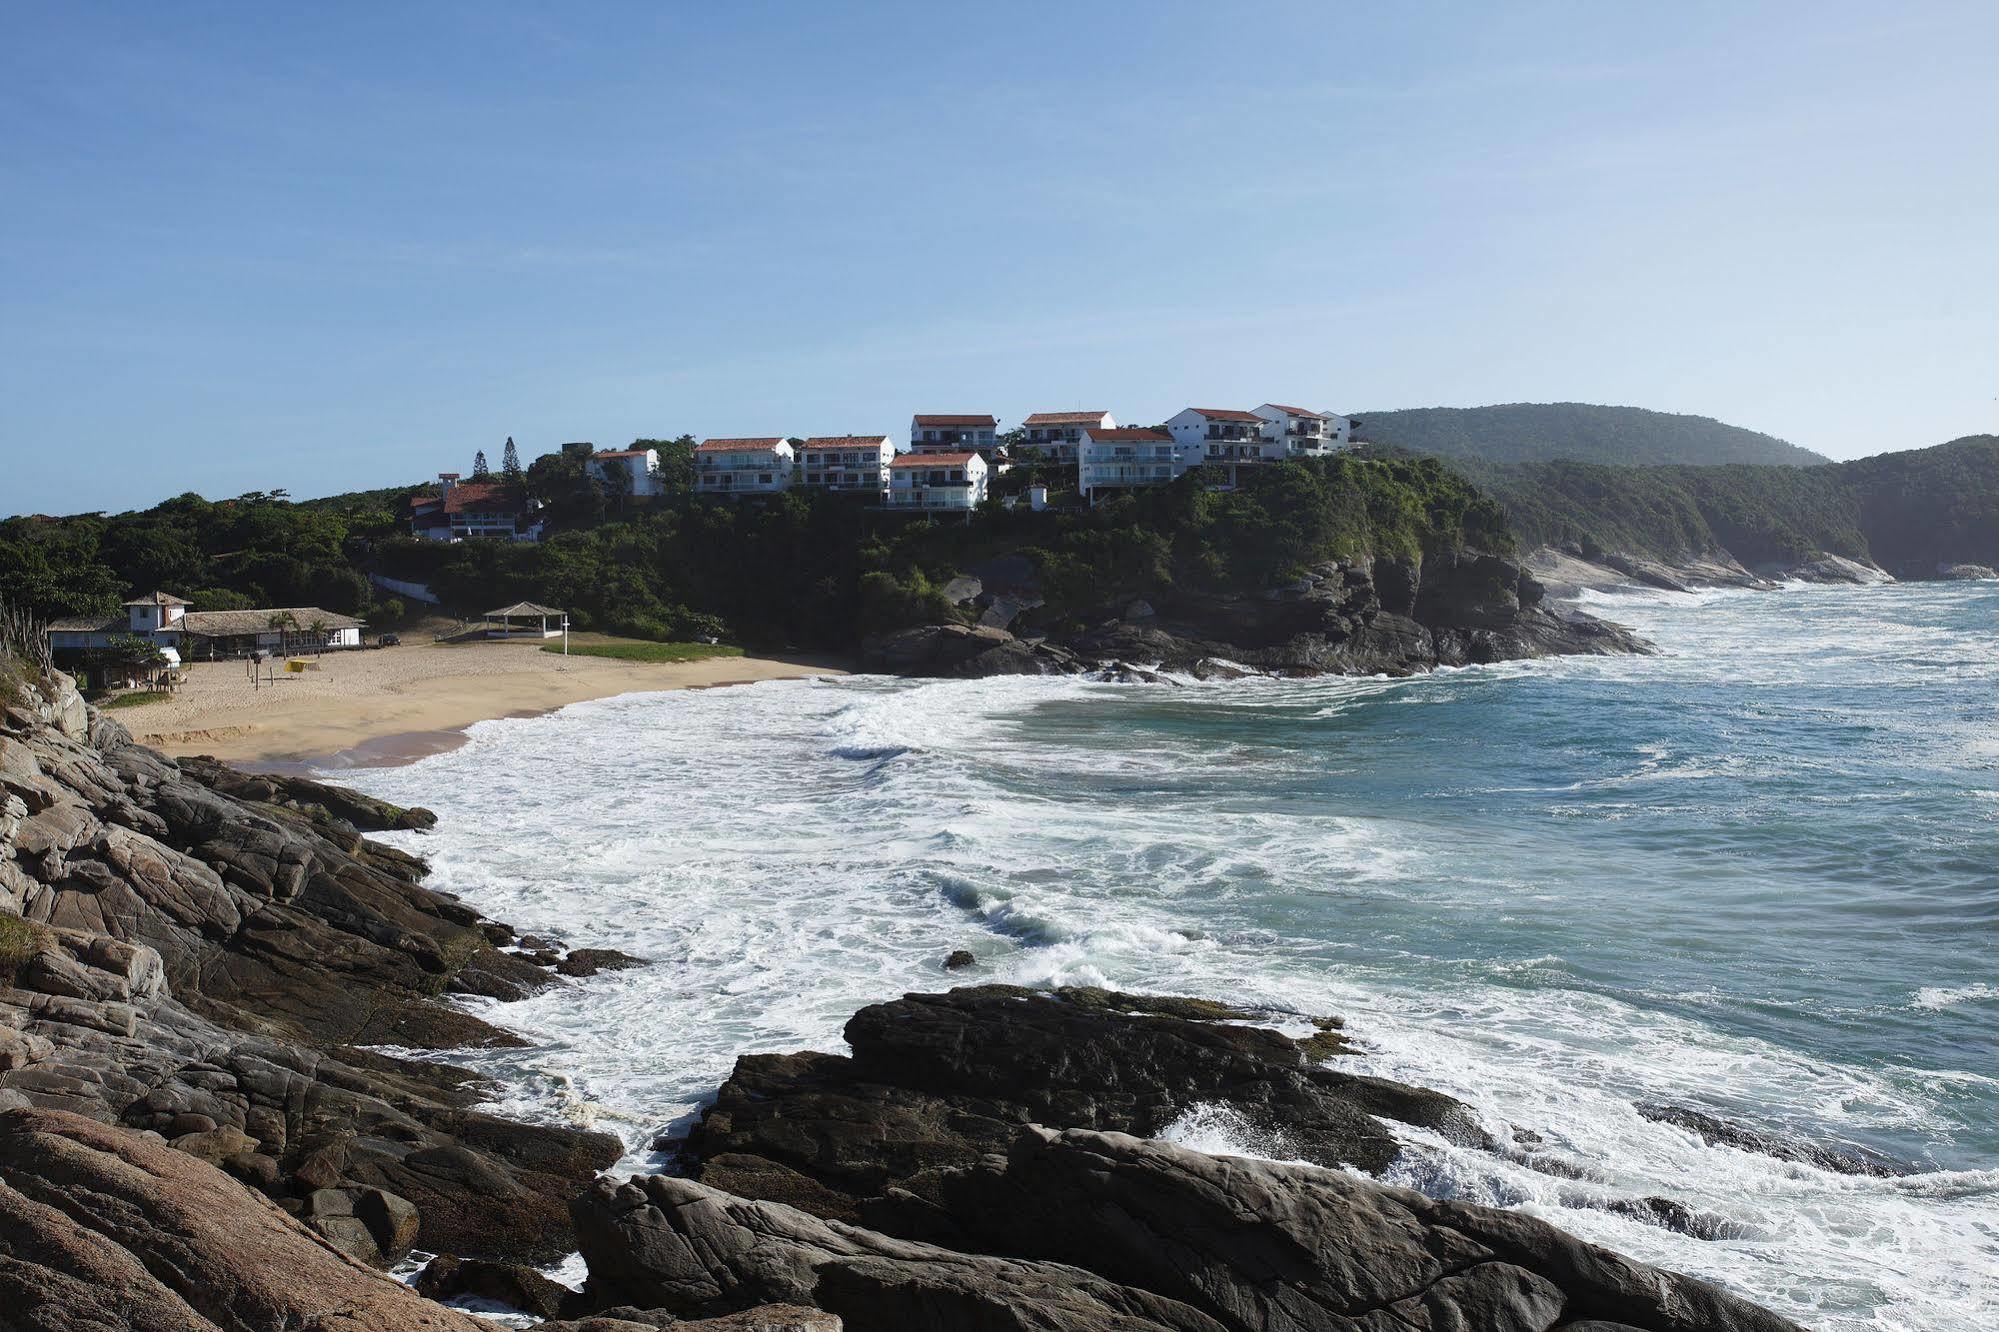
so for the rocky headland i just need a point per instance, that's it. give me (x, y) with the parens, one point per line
(1348, 617)
(211, 984)
(1568, 569)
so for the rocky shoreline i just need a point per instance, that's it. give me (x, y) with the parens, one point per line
(1344, 617)
(1567, 570)
(200, 1127)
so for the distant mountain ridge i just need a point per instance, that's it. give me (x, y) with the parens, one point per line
(1911, 513)
(1579, 432)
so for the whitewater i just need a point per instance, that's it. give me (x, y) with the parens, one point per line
(1756, 875)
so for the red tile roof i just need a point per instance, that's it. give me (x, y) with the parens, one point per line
(482, 497)
(985, 421)
(933, 459)
(846, 441)
(1065, 418)
(1225, 414)
(750, 445)
(1296, 411)
(1131, 435)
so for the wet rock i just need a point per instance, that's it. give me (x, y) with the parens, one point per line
(1716, 1131)
(676, 1245)
(763, 1318)
(1835, 569)
(959, 959)
(1083, 1230)
(590, 961)
(523, 1288)
(939, 1080)
(964, 651)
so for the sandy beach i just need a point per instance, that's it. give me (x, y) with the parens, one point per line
(397, 704)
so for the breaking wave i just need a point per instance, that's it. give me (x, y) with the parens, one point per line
(1750, 876)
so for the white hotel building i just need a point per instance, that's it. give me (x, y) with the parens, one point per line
(758, 466)
(634, 471)
(845, 462)
(953, 481)
(951, 434)
(1059, 435)
(1224, 435)
(1304, 432)
(1118, 458)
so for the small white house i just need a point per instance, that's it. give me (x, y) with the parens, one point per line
(1224, 435)
(1119, 458)
(846, 462)
(634, 472)
(166, 620)
(938, 481)
(758, 466)
(1060, 434)
(953, 434)
(1302, 431)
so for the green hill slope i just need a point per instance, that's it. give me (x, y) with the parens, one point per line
(1907, 512)
(1579, 431)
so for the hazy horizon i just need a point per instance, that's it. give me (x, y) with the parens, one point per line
(324, 251)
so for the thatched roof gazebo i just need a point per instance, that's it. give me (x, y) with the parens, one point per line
(527, 610)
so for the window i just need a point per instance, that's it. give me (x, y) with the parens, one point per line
(763, 478)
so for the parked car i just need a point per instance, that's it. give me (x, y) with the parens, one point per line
(391, 640)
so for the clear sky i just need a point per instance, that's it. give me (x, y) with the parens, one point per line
(327, 247)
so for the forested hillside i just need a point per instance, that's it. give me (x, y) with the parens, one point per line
(1907, 512)
(1579, 432)
(807, 567)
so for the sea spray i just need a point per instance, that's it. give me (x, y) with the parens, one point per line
(1750, 876)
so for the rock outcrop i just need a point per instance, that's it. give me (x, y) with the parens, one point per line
(939, 1080)
(202, 954)
(103, 1228)
(1342, 617)
(1098, 1231)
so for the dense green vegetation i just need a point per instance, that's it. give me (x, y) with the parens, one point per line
(1907, 512)
(803, 568)
(810, 568)
(1578, 432)
(260, 549)
(649, 652)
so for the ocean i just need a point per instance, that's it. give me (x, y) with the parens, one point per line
(1756, 875)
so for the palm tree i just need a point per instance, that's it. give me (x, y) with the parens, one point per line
(284, 622)
(316, 630)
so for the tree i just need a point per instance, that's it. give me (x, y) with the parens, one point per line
(510, 463)
(129, 656)
(284, 622)
(479, 469)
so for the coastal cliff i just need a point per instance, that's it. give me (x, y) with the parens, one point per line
(199, 1130)
(1389, 615)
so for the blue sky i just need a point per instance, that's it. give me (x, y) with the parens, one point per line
(256, 246)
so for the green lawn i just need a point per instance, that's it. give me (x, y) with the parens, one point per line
(134, 698)
(635, 651)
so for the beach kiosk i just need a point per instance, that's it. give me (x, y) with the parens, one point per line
(528, 610)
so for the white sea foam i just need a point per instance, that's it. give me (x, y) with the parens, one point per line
(785, 853)
(1944, 996)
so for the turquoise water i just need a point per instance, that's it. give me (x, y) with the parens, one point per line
(1757, 875)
